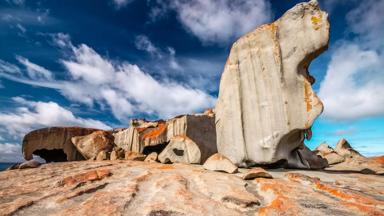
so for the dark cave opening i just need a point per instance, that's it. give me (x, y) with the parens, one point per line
(54, 155)
(156, 148)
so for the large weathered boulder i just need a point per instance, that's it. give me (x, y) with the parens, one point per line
(345, 149)
(181, 149)
(266, 104)
(153, 136)
(328, 153)
(90, 145)
(354, 161)
(54, 143)
(141, 134)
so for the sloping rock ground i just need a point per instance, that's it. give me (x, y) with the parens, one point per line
(141, 188)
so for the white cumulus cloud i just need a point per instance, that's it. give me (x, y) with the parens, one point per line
(142, 42)
(217, 21)
(31, 115)
(35, 71)
(10, 152)
(354, 83)
(118, 85)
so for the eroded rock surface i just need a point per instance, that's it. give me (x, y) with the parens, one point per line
(328, 153)
(181, 149)
(141, 188)
(54, 143)
(345, 149)
(266, 104)
(90, 145)
(153, 136)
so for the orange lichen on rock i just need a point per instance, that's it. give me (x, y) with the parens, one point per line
(85, 177)
(379, 160)
(150, 133)
(367, 210)
(347, 196)
(316, 21)
(166, 167)
(308, 94)
(280, 202)
(362, 203)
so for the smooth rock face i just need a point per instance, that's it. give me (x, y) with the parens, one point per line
(90, 145)
(266, 104)
(256, 172)
(147, 189)
(181, 149)
(218, 162)
(54, 143)
(304, 158)
(29, 164)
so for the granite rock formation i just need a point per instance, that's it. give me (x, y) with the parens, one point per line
(141, 188)
(328, 153)
(266, 105)
(153, 136)
(344, 149)
(90, 145)
(181, 149)
(54, 143)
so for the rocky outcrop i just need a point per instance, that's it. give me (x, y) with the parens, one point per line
(328, 153)
(142, 189)
(344, 149)
(346, 159)
(90, 145)
(218, 162)
(153, 136)
(266, 104)
(181, 149)
(54, 143)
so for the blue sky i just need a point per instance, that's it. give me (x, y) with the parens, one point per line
(101, 63)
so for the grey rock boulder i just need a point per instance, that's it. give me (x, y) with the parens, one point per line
(90, 145)
(181, 149)
(266, 105)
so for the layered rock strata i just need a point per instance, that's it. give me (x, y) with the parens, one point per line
(266, 104)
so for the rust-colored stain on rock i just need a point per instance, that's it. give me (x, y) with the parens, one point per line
(154, 132)
(85, 177)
